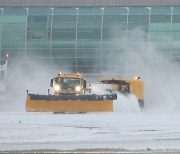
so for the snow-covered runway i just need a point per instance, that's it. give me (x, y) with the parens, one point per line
(138, 130)
(125, 128)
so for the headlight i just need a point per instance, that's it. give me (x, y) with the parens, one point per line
(78, 88)
(56, 87)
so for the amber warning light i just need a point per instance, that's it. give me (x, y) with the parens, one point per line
(137, 78)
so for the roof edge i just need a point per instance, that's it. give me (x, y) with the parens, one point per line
(88, 3)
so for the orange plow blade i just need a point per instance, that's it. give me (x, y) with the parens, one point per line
(85, 103)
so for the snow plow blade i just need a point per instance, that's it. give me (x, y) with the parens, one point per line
(70, 103)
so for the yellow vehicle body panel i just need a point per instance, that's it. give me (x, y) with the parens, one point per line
(69, 105)
(137, 88)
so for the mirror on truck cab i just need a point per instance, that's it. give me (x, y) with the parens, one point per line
(51, 83)
(84, 84)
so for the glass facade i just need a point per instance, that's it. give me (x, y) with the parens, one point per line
(86, 40)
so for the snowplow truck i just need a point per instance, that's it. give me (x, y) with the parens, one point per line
(125, 86)
(3, 71)
(69, 96)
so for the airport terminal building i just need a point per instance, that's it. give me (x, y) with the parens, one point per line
(87, 35)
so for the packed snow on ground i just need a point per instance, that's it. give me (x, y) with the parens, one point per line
(127, 127)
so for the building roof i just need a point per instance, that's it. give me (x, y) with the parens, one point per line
(87, 3)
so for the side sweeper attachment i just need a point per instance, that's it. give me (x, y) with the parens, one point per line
(69, 96)
(128, 86)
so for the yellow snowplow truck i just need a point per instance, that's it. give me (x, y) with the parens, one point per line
(126, 86)
(69, 96)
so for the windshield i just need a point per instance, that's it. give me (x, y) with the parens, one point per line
(67, 83)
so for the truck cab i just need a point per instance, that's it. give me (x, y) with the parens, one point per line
(68, 84)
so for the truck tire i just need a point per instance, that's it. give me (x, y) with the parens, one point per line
(141, 103)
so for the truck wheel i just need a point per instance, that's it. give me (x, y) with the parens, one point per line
(141, 103)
